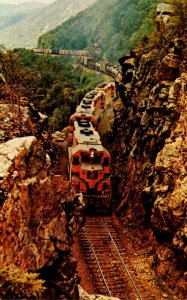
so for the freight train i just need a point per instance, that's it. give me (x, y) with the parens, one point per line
(86, 60)
(82, 53)
(109, 68)
(89, 161)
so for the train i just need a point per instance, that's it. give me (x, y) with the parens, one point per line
(87, 60)
(82, 53)
(89, 160)
(104, 66)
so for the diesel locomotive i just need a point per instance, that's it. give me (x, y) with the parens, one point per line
(89, 161)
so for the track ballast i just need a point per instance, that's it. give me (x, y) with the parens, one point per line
(113, 273)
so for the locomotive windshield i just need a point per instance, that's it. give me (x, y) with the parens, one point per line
(75, 160)
(87, 157)
(92, 175)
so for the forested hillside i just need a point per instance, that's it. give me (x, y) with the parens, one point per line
(53, 84)
(111, 26)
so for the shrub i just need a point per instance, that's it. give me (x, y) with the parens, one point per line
(17, 284)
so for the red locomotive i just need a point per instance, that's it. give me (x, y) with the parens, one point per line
(89, 161)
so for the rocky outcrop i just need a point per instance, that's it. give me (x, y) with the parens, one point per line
(19, 117)
(170, 165)
(39, 214)
(39, 211)
(150, 143)
(165, 12)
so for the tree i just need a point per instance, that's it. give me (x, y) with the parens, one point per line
(17, 284)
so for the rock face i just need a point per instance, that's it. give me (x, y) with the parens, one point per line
(39, 211)
(86, 296)
(150, 143)
(164, 15)
(19, 117)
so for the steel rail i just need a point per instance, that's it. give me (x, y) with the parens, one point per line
(98, 264)
(122, 261)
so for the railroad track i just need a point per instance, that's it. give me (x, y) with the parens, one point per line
(109, 262)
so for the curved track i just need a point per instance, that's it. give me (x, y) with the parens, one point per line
(109, 263)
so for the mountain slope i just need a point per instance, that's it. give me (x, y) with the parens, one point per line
(13, 14)
(9, 9)
(113, 26)
(26, 32)
(6, 8)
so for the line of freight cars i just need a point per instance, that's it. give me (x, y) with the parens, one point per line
(103, 66)
(82, 53)
(86, 60)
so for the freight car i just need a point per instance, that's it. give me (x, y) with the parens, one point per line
(42, 51)
(111, 69)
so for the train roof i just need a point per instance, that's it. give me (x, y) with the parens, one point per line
(85, 135)
(82, 109)
(93, 94)
(105, 84)
(82, 114)
(85, 101)
(92, 167)
(87, 148)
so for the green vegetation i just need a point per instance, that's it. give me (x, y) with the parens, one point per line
(113, 26)
(17, 284)
(54, 84)
(15, 75)
(24, 23)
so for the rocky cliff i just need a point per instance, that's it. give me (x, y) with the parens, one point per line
(149, 151)
(39, 211)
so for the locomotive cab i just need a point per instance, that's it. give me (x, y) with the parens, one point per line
(90, 170)
(89, 163)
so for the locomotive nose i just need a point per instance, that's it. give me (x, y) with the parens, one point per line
(91, 185)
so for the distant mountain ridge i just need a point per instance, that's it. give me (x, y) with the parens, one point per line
(8, 9)
(12, 14)
(111, 27)
(25, 31)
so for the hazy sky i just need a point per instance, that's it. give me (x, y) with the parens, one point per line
(24, 1)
